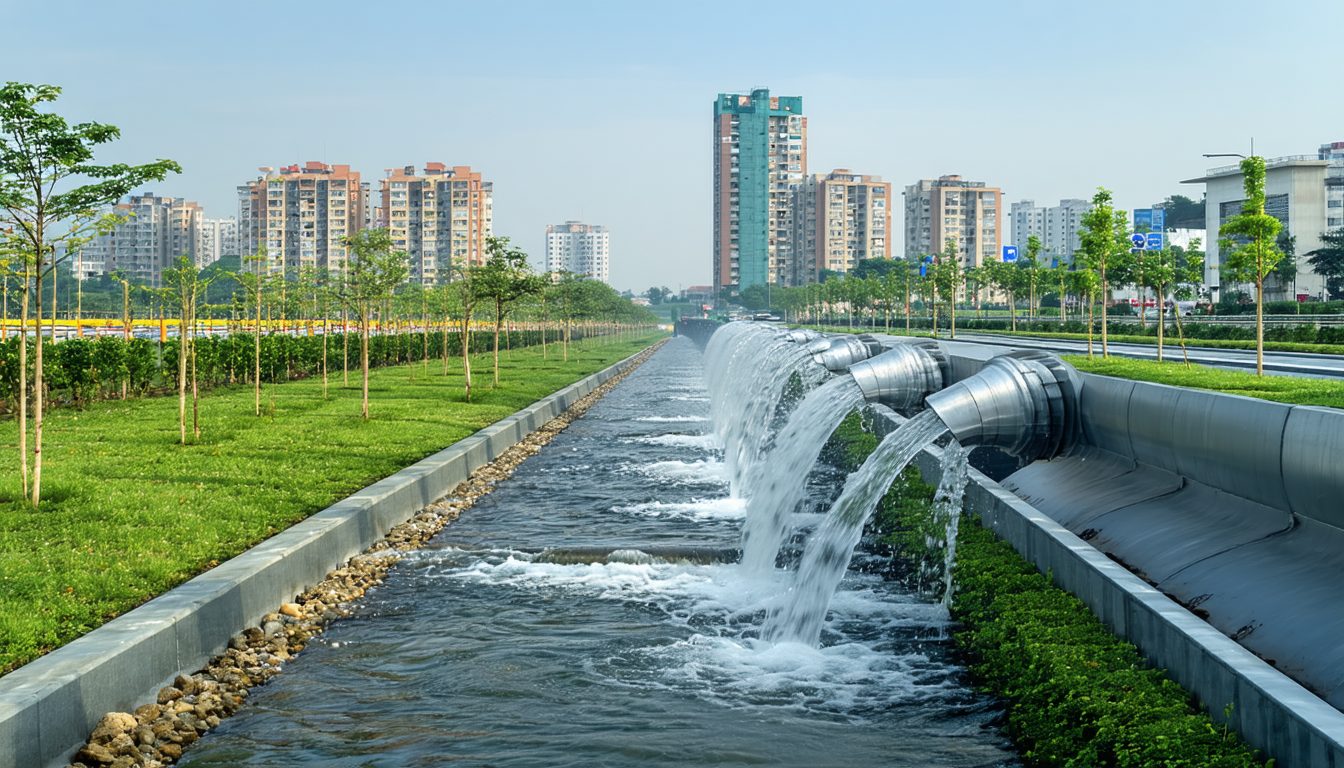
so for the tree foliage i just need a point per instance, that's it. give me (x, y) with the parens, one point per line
(1328, 262)
(1250, 244)
(43, 209)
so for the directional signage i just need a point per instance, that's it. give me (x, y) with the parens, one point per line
(1137, 239)
(1154, 242)
(1010, 253)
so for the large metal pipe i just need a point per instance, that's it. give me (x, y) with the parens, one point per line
(800, 335)
(902, 376)
(840, 353)
(1025, 403)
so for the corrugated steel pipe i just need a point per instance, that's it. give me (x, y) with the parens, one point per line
(1025, 403)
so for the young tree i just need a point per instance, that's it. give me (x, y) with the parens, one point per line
(254, 284)
(1249, 242)
(1104, 246)
(41, 159)
(185, 283)
(1032, 274)
(503, 280)
(947, 276)
(372, 270)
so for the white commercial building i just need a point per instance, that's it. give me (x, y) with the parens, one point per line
(219, 237)
(1295, 194)
(583, 249)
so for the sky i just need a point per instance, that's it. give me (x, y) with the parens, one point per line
(601, 112)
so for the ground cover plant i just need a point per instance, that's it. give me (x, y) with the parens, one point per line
(1282, 389)
(1076, 694)
(129, 513)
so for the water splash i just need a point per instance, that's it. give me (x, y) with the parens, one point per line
(746, 374)
(947, 502)
(782, 477)
(828, 551)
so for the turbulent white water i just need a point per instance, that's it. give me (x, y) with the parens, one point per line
(782, 477)
(947, 507)
(799, 619)
(747, 369)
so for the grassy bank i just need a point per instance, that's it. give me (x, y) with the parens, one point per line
(1282, 389)
(1171, 344)
(128, 514)
(1076, 694)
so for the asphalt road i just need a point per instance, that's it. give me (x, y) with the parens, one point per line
(1284, 363)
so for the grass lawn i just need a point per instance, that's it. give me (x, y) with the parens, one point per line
(127, 513)
(1282, 389)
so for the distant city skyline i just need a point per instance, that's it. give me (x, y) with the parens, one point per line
(1045, 100)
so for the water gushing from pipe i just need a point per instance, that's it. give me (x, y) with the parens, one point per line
(828, 551)
(783, 476)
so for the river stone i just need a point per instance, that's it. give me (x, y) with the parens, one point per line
(126, 761)
(111, 726)
(186, 684)
(143, 735)
(272, 628)
(292, 609)
(95, 754)
(171, 751)
(147, 713)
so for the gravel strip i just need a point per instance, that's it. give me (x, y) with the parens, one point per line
(156, 734)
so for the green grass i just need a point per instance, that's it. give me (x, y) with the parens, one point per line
(1170, 344)
(1281, 389)
(127, 513)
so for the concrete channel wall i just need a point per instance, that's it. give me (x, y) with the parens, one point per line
(1271, 712)
(49, 706)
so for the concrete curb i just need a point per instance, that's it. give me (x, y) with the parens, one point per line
(1271, 712)
(49, 706)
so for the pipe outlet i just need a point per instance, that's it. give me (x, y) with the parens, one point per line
(799, 335)
(844, 351)
(1024, 404)
(902, 376)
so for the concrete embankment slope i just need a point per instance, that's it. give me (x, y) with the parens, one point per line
(49, 706)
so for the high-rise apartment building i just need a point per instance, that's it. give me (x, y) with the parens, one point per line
(583, 249)
(837, 219)
(951, 207)
(219, 237)
(157, 231)
(300, 216)
(1059, 228)
(760, 156)
(440, 218)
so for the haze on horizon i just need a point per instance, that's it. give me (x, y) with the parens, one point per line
(601, 112)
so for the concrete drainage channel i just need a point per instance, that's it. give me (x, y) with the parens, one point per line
(125, 683)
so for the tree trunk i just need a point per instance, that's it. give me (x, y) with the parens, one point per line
(364, 364)
(182, 372)
(325, 326)
(256, 361)
(1260, 331)
(37, 396)
(499, 321)
(1105, 350)
(23, 384)
(466, 354)
(1161, 322)
(195, 385)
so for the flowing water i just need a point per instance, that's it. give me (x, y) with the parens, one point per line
(747, 373)
(799, 617)
(783, 474)
(476, 652)
(947, 502)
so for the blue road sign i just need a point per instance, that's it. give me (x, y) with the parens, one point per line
(1137, 239)
(1010, 253)
(1154, 242)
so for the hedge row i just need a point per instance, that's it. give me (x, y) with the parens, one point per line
(82, 370)
(1077, 695)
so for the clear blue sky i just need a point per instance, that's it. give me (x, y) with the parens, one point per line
(601, 111)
